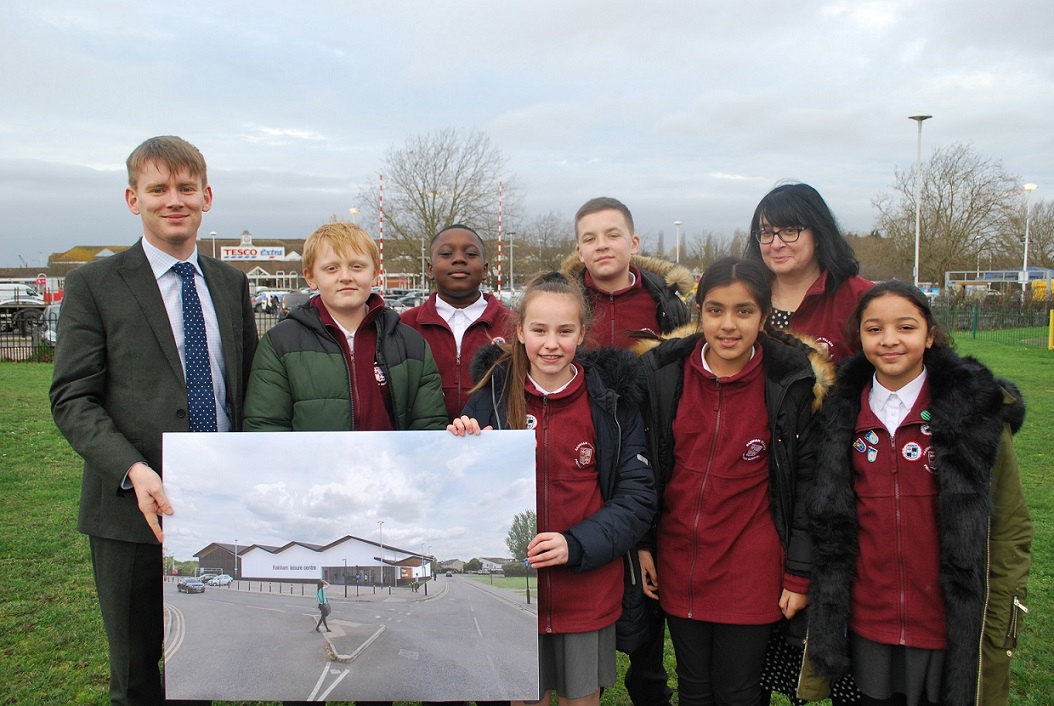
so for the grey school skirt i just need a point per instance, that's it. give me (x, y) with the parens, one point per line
(577, 664)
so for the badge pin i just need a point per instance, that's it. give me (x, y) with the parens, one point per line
(911, 451)
(872, 454)
(925, 415)
(925, 429)
(860, 446)
(872, 437)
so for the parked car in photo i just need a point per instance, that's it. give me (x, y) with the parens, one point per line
(190, 585)
(221, 580)
(205, 578)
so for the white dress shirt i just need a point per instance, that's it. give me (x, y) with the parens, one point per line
(892, 407)
(460, 319)
(171, 287)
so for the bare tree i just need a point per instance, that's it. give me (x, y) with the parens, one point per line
(1040, 237)
(543, 244)
(701, 251)
(967, 206)
(878, 257)
(434, 180)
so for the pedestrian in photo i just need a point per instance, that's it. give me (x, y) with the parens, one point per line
(595, 496)
(730, 410)
(458, 317)
(324, 608)
(156, 338)
(921, 532)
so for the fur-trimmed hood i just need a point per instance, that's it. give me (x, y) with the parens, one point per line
(822, 367)
(672, 274)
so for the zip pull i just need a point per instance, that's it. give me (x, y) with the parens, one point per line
(1021, 606)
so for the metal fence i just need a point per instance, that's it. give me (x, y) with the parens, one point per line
(35, 343)
(1011, 322)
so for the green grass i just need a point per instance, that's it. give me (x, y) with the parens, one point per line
(51, 638)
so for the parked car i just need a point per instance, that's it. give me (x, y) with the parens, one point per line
(267, 301)
(449, 574)
(221, 580)
(408, 301)
(190, 585)
(49, 324)
(291, 300)
(205, 578)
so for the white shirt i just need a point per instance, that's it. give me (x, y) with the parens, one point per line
(706, 366)
(893, 407)
(460, 319)
(574, 374)
(171, 287)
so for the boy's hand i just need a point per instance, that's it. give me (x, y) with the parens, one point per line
(649, 576)
(465, 425)
(547, 549)
(151, 496)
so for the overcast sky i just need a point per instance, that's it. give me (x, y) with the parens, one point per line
(685, 110)
(431, 488)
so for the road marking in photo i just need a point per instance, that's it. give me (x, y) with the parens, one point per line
(175, 630)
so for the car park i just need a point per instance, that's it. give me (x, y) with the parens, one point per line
(405, 302)
(221, 580)
(190, 585)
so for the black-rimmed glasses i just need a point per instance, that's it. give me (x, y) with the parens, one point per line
(788, 234)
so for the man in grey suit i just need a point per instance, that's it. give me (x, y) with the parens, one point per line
(121, 381)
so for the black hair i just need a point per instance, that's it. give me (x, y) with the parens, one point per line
(905, 290)
(752, 273)
(458, 226)
(798, 204)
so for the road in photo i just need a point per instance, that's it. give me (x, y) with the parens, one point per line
(464, 641)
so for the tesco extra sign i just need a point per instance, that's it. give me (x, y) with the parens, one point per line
(252, 253)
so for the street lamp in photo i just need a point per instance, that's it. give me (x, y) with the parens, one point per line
(380, 534)
(345, 577)
(235, 558)
(1029, 188)
(918, 191)
(213, 236)
(677, 245)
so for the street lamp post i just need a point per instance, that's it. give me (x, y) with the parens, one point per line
(512, 261)
(1029, 188)
(235, 558)
(918, 191)
(677, 246)
(380, 533)
(424, 271)
(345, 577)
(213, 236)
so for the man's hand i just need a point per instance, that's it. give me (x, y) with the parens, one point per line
(151, 496)
(791, 603)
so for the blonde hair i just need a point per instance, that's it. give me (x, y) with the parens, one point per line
(344, 237)
(514, 353)
(174, 153)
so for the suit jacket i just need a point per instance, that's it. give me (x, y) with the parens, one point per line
(119, 384)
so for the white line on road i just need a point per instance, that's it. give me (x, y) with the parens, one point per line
(334, 684)
(476, 623)
(318, 684)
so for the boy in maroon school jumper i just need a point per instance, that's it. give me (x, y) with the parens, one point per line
(627, 292)
(457, 318)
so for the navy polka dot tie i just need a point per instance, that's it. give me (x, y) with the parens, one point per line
(200, 394)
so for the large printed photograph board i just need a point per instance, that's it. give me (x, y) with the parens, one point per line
(388, 520)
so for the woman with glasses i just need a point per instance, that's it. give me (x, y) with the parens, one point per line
(816, 282)
(815, 287)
